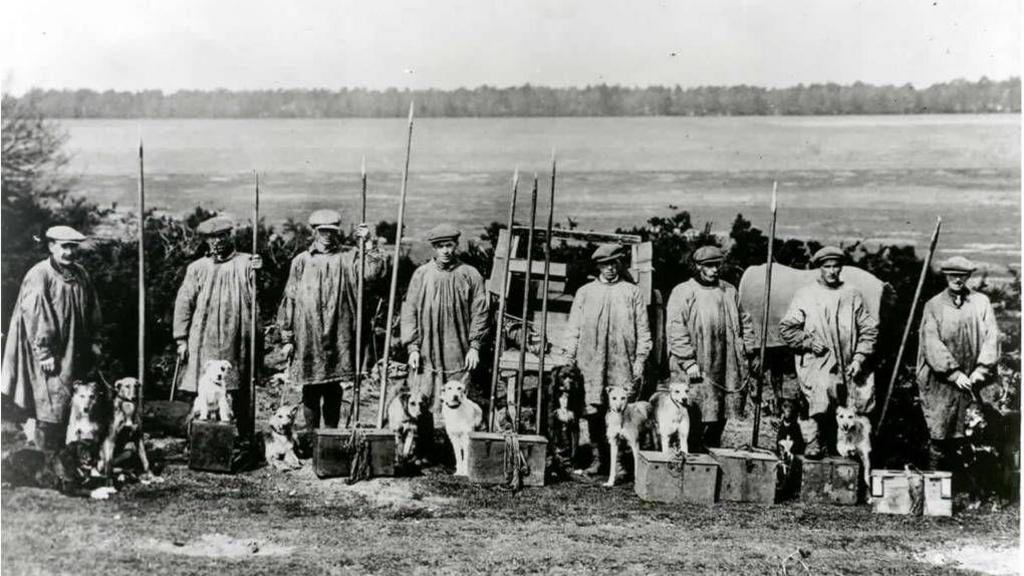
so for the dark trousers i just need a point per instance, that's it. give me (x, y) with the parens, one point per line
(330, 397)
(711, 433)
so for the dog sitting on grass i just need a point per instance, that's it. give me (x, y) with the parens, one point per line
(88, 416)
(279, 440)
(405, 416)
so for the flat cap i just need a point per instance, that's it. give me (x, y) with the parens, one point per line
(827, 253)
(958, 265)
(607, 253)
(708, 254)
(443, 232)
(64, 234)
(327, 218)
(215, 225)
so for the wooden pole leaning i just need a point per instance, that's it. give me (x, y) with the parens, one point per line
(524, 338)
(142, 282)
(910, 322)
(253, 319)
(764, 322)
(394, 278)
(360, 298)
(502, 300)
(544, 298)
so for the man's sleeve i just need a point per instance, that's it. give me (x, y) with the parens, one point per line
(988, 352)
(867, 329)
(936, 354)
(39, 316)
(750, 343)
(791, 327)
(185, 304)
(479, 308)
(286, 310)
(643, 327)
(410, 322)
(680, 345)
(575, 324)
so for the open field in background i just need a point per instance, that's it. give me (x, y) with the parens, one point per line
(842, 179)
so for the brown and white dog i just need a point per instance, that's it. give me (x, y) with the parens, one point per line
(567, 408)
(672, 416)
(625, 421)
(126, 430)
(854, 438)
(87, 420)
(405, 413)
(279, 440)
(212, 394)
(461, 416)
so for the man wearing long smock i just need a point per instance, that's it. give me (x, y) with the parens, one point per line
(608, 338)
(444, 319)
(957, 354)
(317, 316)
(711, 343)
(51, 343)
(832, 335)
(212, 314)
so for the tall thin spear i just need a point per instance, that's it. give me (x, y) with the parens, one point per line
(910, 321)
(524, 336)
(502, 299)
(360, 289)
(142, 277)
(544, 295)
(764, 321)
(394, 277)
(255, 291)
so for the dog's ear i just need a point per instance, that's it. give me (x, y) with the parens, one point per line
(465, 379)
(294, 410)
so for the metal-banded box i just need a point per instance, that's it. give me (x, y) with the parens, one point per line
(747, 476)
(830, 480)
(211, 446)
(897, 492)
(335, 448)
(676, 478)
(486, 458)
(938, 493)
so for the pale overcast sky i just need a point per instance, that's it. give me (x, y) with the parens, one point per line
(235, 44)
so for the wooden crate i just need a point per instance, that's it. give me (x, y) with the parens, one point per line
(747, 476)
(212, 446)
(486, 458)
(938, 493)
(828, 480)
(892, 492)
(668, 478)
(333, 452)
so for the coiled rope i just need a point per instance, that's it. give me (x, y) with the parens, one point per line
(516, 466)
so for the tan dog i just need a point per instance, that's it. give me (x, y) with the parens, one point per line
(854, 438)
(86, 421)
(126, 429)
(626, 421)
(404, 415)
(212, 396)
(279, 440)
(672, 416)
(461, 416)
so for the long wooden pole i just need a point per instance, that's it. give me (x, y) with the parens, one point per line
(544, 297)
(764, 321)
(394, 277)
(910, 321)
(499, 335)
(255, 313)
(142, 280)
(360, 291)
(524, 339)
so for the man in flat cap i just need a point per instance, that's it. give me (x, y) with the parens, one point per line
(51, 339)
(832, 335)
(444, 318)
(212, 314)
(317, 316)
(711, 343)
(608, 338)
(957, 354)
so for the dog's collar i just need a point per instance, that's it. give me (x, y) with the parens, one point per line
(278, 430)
(678, 404)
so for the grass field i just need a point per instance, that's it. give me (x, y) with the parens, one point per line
(267, 522)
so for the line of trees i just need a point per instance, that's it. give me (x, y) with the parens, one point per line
(955, 97)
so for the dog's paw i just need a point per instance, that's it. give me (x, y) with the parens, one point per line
(102, 493)
(609, 484)
(150, 478)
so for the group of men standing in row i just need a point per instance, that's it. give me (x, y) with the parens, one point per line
(445, 319)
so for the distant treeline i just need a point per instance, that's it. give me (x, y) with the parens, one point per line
(958, 96)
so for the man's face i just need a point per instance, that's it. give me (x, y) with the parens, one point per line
(957, 282)
(220, 243)
(830, 270)
(709, 271)
(326, 238)
(609, 270)
(444, 251)
(64, 253)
